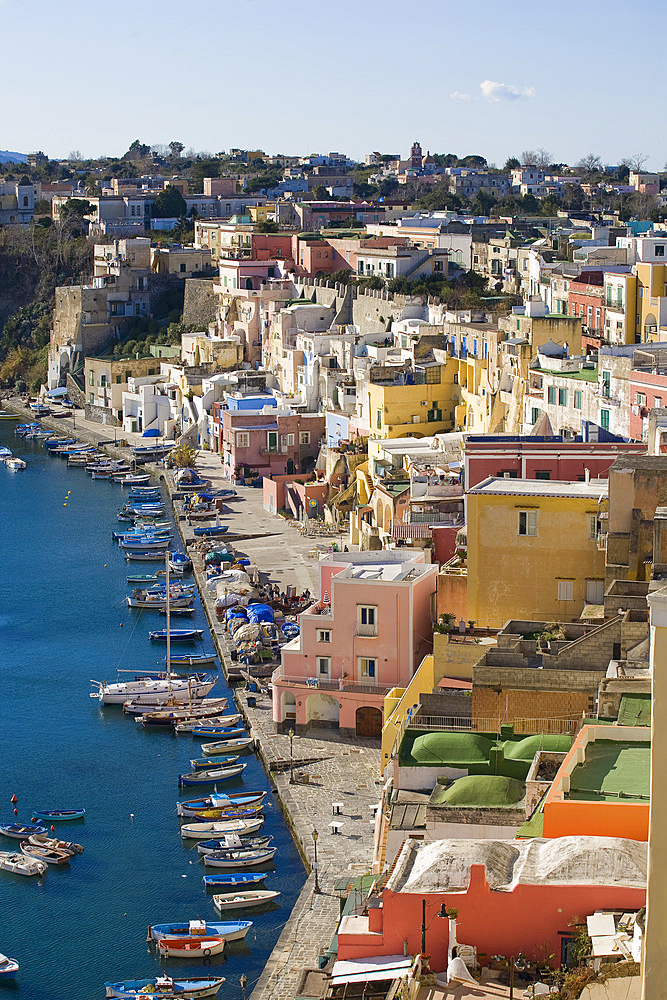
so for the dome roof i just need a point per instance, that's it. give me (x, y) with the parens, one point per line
(527, 748)
(451, 748)
(483, 790)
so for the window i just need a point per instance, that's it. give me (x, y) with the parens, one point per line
(324, 635)
(379, 420)
(509, 473)
(367, 668)
(657, 401)
(562, 397)
(552, 394)
(604, 419)
(304, 437)
(91, 380)
(117, 379)
(577, 399)
(286, 441)
(528, 522)
(660, 250)
(272, 441)
(242, 440)
(323, 666)
(367, 619)
(534, 414)
(640, 399)
(542, 474)
(593, 525)
(565, 590)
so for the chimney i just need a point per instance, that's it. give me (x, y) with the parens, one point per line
(587, 475)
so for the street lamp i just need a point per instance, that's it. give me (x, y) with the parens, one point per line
(442, 912)
(244, 982)
(291, 756)
(315, 835)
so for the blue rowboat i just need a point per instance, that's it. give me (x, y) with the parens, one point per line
(58, 443)
(164, 987)
(231, 880)
(216, 529)
(206, 763)
(177, 635)
(145, 578)
(60, 815)
(240, 843)
(207, 731)
(219, 800)
(231, 930)
(21, 831)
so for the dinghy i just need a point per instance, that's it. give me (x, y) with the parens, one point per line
(233, 842)
(60, 815)
(244, 899)
(239, 858)
(205, 763)
(230, 930)
(43, 840)
(226, 746)
(184, 660)
(8, 966)
(207, 731)
(243, 880)
(18, 864)
(51, 855)
(191, 947)
(165, 988)
(20, 831)
(219, 800)
(177, 635)
(202, 831)
(215, 722)
(210, 777)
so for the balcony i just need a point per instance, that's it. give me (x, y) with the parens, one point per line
(344, 684)
(367, 631)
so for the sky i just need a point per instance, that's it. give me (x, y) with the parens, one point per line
(302, 76)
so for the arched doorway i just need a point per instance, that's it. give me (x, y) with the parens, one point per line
(368, 721)
(288, 708)
(248, 284)
(388, 518)
(322, 710)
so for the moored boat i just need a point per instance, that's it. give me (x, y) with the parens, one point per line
(210, 777)
(211, 531)
(220, 828)
(184, 660)
(233, 842)
(43, 840)
(18, 864)
(239, 858)
(237, 745)
(14, 464)
(177, 635)
(8, 966)
(191, 947)
(230, 930)
(165, 988)
(51, 855)
(153, 690)
(216, 722)
(242, 879)
(220, 800)
(243, 899)
(60, 815)
(206, 731)
(20, 831)
(206, 763)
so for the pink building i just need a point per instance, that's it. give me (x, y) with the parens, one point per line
(648, 390)
(249, 293)
(368, 633)
(256, 438)
(508, 897)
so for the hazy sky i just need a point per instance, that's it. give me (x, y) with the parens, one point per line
(304, 75)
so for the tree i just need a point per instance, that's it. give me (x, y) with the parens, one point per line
(636, 161)
(137, 151)
(590, 164)
(539, 158)
(176, 148)
(473, 160)
(169, 204)
(511, 163)
(268, 226)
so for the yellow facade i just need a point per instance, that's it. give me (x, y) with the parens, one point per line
(531, 555)
(413, 410)
(261, 213)
(651, 302)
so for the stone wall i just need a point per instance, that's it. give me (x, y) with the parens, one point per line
(199, 305)
(517, 703)
(372, 310)
(101, 415)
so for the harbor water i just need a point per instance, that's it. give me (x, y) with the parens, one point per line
(63, 621)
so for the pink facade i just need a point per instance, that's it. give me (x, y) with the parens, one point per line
(284, 492)
(253, 442)
(368, 632)
(524, 919)
(647, 390)
(524, 457)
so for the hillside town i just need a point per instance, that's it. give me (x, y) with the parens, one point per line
(451, 378)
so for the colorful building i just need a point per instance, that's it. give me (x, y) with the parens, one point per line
(419, 403)
(367, 633)
(257, 438)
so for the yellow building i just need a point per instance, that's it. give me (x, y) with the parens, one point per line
(421, 410)
(533, 550)
(651, 302)
(262, 213)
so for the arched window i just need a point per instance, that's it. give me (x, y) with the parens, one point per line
(248, 283)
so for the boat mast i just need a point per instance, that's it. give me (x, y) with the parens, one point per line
(166, 562)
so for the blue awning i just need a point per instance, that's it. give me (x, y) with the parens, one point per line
(57, 393)
(152, 433)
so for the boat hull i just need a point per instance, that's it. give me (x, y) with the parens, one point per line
(243, 900)
(231, 930)
(204, 831)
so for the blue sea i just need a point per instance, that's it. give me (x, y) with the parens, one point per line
(63, 621)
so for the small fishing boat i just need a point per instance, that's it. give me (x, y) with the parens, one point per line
(144, 543)
(18, 864)
(60, 815)
(230, 930)
(165, 988)
(217, 721)
(179, 562)
(20, 831)
(226, 746)
(211, 777)
(243, 879)
(233, 842)
(239, 857)
(5, 453)
(211, 531)
(204, 732)
(220, 800)
(52, 443)
(8, 966)
(179, 712)
(143, 578)
(158, 602)
(206, 763)
(244, 899)
(43, 840)
(145, 556)
(51, 855)
(6, 415)
(15, 464)
(220, 828)
(191, 947)
(177, 635)
(225, 813)
(136, 479)
(178, 611)
(185, 660)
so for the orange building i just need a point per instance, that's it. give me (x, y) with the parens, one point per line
(602, 787)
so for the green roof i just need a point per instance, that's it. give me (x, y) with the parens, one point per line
(489, 790)
(455, 748)
(526, 748)
(583, 374)
(635, 710)
(613, 771)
